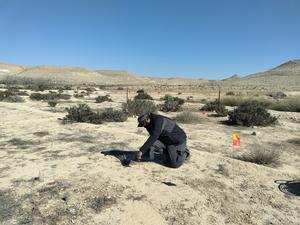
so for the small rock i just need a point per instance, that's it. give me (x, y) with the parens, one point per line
(253, 133)
(72, 211)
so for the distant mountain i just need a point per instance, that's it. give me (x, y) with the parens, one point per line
(233, 77)
(283, 77)
(74, 75)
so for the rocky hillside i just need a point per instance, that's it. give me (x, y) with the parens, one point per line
(74, 75)
(284, 77)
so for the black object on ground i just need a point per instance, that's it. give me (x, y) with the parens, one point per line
(289, 187)
(169, 183)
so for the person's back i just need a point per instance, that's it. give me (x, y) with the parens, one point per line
(171, 133)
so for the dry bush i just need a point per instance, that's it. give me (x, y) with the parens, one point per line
(252, 113)
(230, 93)
(291, 104)
(188, 117)
(49, 96)
(104, 98)
(13, 98)
(136, 107)
(215, 106)
(171, 104)
(111, 115)
(83, 113)
(261, 155)
(238, 100)
(52, 103)
(141, 94)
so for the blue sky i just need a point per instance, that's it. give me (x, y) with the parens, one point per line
(210, 39)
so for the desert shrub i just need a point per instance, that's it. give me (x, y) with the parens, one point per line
(49, 96)
(171, 104)
(120, 88)
(5, 94)
(82, 113)
(291, 104)
(230, 93)
(215, 106)
(261, 155)
(111, 115)
(104, 98)
(188, 117)
(141, 94)
(52, 103)
(252, 113)
(138, 106)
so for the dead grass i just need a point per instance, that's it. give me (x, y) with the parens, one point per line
(188, 117)
(262, 155)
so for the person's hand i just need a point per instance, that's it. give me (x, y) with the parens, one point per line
(138, 155)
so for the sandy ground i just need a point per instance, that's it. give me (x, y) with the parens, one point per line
(52, 173)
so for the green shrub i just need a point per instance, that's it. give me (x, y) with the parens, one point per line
(52, 103)
(188, 117)
(141, 94)
(171, 104)
(252, 113)
(82, 113)
(100, 99)
(138, 106)
(111, 115)
(49, 96)
(217, 107)
(261, 155)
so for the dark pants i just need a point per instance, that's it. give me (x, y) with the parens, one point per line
(175, 154)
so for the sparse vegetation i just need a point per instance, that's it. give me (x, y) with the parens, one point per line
(188, 117)
(141, 94)
(252, 113)
(104, 98)
(136, 107)
(49, 96)
(261, 155)
(289, 104)
(171, 104)
(217, 107)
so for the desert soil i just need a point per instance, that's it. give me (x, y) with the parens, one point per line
(52, 173)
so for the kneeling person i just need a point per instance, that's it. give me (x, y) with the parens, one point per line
(164, 134)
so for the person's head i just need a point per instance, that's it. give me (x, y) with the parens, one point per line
(144, 119)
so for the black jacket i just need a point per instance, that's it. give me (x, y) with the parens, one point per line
(164, 129)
